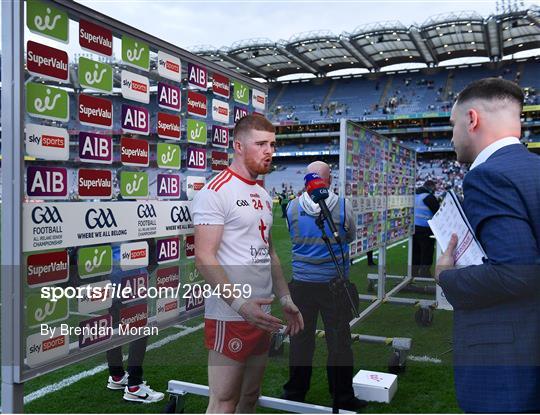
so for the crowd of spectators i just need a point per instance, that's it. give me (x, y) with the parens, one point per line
(447, 175)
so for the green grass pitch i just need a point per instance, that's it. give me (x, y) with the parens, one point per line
(424, 387)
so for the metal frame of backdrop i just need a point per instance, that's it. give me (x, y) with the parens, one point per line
(14, 369)
(401, 346)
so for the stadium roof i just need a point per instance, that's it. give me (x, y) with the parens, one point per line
(374, 46)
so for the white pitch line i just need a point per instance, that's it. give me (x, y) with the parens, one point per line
(64, 383)
(425, 359)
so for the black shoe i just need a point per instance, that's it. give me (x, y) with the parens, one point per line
(290, 397)
(354, 404)
(372, 264)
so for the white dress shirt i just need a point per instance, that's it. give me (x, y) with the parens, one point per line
(492, 148)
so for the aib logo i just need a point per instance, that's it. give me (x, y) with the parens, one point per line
(46, 215)
(146, 211)
(180, 214)
(99, 218)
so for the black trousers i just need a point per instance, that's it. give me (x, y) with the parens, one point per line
(423, 248)
(312, 298)
(137, 350)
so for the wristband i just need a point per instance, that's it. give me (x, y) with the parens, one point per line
(237, 303)
(285, 299)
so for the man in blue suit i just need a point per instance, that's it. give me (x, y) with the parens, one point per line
(497, 304)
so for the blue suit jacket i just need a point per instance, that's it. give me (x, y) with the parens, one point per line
(497, 304)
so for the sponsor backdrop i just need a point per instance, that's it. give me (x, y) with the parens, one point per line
(378, 177)
(119, 137)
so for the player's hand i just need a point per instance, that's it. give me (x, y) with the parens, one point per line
(252, 312)
(446, 260)
(295, 321)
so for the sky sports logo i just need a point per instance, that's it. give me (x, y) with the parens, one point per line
(49, 143)
(220, 111)
(193, 185)
(44, 348)
(258, 100)
(53, 141)
(137, 254)
(139, 87)
(169, 66)
(133, 255)
(135, 87)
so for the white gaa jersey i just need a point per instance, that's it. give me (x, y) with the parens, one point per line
(245, 210)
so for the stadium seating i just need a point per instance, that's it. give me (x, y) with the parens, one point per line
(379, 95)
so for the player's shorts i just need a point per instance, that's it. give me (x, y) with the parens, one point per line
(238, 340)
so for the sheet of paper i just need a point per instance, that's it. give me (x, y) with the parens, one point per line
(450, 219)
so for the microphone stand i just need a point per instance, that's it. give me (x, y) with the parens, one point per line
(320, 224)
(336, 290)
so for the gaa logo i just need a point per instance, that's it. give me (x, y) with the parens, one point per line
(99, 218)
(235, 345)
(46, 215)
(146, 211)
(180, 214)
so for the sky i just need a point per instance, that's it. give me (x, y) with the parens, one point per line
(220, 23)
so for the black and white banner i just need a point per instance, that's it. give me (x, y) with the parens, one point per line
(59, 225)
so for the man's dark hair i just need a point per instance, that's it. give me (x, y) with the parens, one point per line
(430, 184)
(490, 89)
(252, 122)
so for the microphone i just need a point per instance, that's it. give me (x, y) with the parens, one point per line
(318, 192)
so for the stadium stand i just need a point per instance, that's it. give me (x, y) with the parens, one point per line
(388, 94)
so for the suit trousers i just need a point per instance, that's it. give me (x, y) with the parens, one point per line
(312, 298)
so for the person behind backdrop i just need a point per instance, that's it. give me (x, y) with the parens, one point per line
(425, 206)
(496, 304)
(313, 269)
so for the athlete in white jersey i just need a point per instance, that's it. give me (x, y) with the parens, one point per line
(245, 210)
(232, 217)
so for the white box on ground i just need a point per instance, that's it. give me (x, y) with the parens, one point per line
(374, 386)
